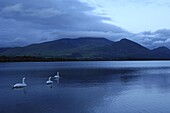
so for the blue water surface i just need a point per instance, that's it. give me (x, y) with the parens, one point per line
(86, 87)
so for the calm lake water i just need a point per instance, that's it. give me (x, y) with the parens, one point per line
(86, 87)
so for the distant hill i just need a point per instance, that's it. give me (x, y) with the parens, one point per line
(88, 48)
(123, 49)
(4, 49)
(161, 52)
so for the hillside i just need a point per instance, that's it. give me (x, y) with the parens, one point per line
(88, 48)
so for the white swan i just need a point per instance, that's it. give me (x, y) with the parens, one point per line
(49, 81)
(57, 75)
(20, 85)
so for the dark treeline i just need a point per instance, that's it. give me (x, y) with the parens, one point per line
(30, 59)
(43, 59)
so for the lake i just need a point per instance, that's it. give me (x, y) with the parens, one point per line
(86, 87)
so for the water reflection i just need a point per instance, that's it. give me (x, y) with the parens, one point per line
(23, 89)
(116, 87)
(50, 85)
(57, 80)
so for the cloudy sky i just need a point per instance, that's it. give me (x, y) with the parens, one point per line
(24, 22)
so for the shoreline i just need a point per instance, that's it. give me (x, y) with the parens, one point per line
(43, 59)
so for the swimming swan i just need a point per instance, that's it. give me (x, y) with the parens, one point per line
(57, 76)
(20, 85)
(49, 81)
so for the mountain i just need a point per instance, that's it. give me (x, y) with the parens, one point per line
(161, 52)
(66, 47)
(124, 49)
(4, 49)
(89, 48)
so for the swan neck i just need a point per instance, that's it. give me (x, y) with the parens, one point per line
(23, 80)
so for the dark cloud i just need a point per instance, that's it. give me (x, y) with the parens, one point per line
(154, 39)
(24, 22)
(33, 21)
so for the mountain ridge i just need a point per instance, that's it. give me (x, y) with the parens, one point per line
(88, 48)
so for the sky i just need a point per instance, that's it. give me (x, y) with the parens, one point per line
(23, 22)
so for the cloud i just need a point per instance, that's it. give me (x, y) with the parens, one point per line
(159, 42)
(163, 32)
(26, 22)
(43, 13)
(144, 2)
(53, 16)
(13, 8)
(167, 40)
(154, 39)
(50, 20)
(26, 12)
